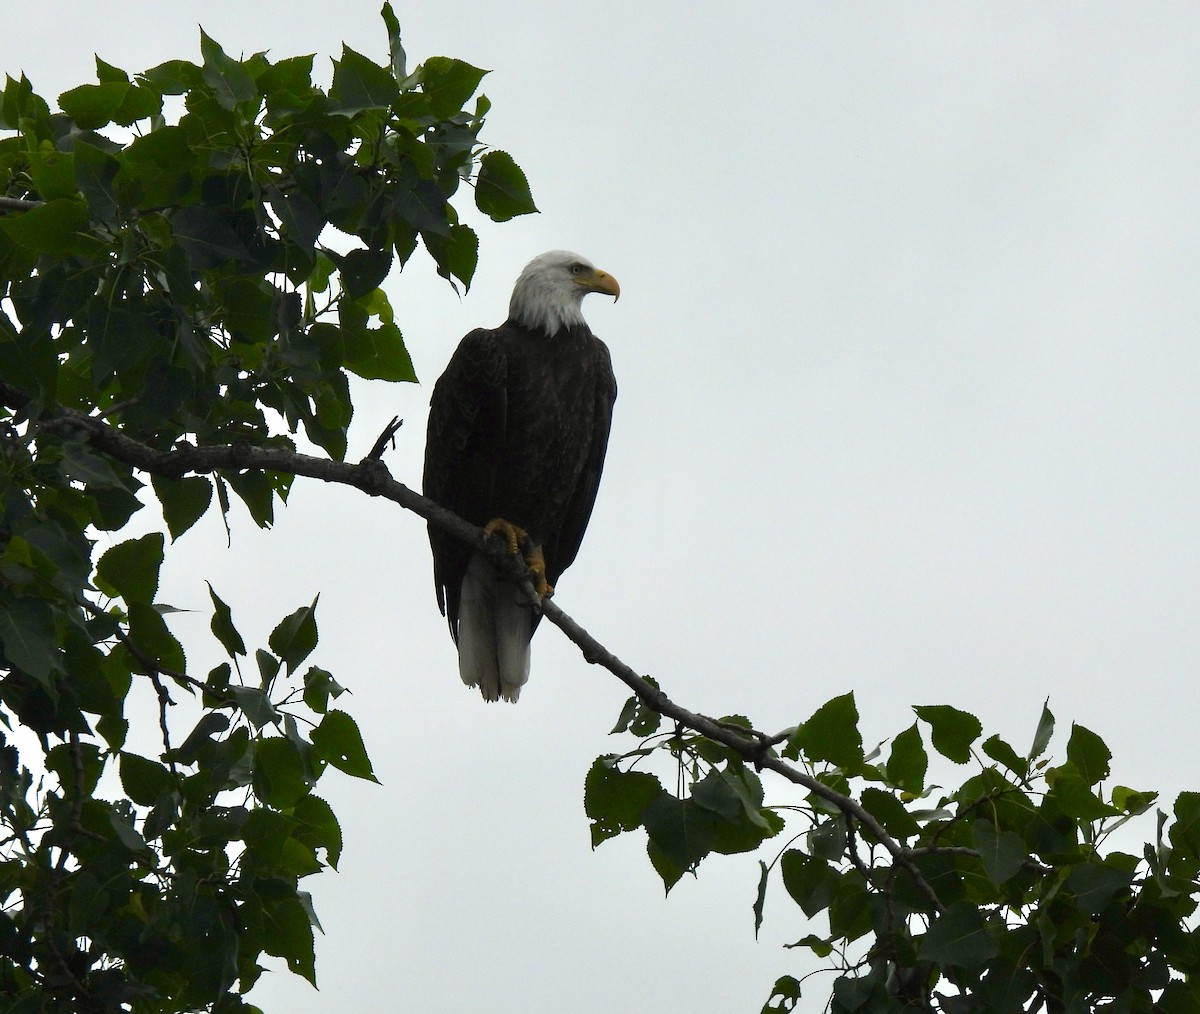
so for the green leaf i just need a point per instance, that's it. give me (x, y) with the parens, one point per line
(319, 827)
(230, 80)
(183, 501)
(279, 772)
(130, 569)
(828, 839)
(93, 106)
(760, 897)
(832, 735)
(1045, 729)
(378, 354)
(255, 705)
(95, 171)
(850, 910)
(638, 719)
(1008, 987)
(139, 104)
(122, 337)
(56, 227)
(1000, 751)
(126, 833)
(890, 812)
(27, 630)
(908, 762)
(614, 800)
(144, 780)
(1185, 832)
(787, 991)
(679, 829)
(1132, 801)
(1002, 854)
(821, 947)
(952, 731)
(80, 465)
(295, 636)
(360, 84)
(1095, 885)
(78, 769)
(319, 686)
(289, 935)
(811, 881)
(502, 192)
(1089, 753)
(106, 72)
(207, 239)
(449, 83)
(1073, 794)
(395, 50)
(456, 254)
(149, 633)
(338, 741)
(363, 270)
(959, 936)
(53, 174)
(257, 490)
(223, 628)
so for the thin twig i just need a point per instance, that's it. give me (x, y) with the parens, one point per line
(386, 439)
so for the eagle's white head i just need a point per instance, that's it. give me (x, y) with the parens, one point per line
(550, 291)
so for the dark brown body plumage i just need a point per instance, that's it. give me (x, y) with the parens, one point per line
(518, 428)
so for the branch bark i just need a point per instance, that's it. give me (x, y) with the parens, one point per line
(16, 204)
(372, 477)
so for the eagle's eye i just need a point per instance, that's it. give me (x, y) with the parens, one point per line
(576, 269)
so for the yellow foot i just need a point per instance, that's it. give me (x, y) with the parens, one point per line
(513, 534)
(536, 563)
(515, 538)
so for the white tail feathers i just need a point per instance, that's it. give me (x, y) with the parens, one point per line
(494, 630)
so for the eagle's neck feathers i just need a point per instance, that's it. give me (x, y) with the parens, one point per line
(545, 298)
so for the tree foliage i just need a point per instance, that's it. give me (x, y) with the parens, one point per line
(190, 257)
(190, 269)
(1013, 891)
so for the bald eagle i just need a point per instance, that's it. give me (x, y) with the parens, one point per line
(518, 427)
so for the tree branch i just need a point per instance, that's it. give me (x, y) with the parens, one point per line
(16, 204)
(744, 742)
(372, 476)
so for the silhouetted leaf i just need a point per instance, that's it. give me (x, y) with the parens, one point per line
(1002, 853)
(502, 191)
(55, 227)
(908, 762)
(337, 740)
(614, 800)
(951, 730)
(449, 83)
(1045, 729)
(832, 735)
(183, 501)
(295, 636)
(130, 569)
(359, 83)
(959, 937)
(1089, 754)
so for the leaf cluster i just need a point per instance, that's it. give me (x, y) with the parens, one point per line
(1012, 891)
(193, 254)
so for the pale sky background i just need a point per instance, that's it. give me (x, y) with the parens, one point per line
(909, 394)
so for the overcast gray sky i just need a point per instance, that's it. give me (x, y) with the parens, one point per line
(909, 393)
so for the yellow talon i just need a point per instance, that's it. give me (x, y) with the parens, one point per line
(536, 563)
(514, 536)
